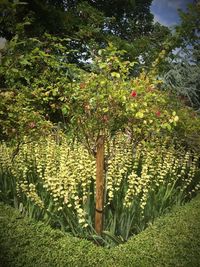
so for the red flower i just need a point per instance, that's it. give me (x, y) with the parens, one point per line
(82, 85)
(158, 113)
(133, 93)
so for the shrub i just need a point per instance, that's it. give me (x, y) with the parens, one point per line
(173, 240)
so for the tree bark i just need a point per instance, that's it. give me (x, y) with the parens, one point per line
(99, 185)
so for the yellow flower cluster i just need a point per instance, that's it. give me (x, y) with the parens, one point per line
(31, 193)
(139, 184)
(5, 158)
(148, 167)
(167, 166)
(120, 160)
(67, 175)
(65, 171)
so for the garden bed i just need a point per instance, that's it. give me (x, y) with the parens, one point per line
(173, 240)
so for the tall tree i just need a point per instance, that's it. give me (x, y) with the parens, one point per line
(91, 24)
(128, 19)
(181, 70)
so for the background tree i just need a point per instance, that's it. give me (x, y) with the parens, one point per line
(127, 20)
(91, 25)
(179, 63)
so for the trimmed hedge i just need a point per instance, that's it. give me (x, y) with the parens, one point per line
(173, 240)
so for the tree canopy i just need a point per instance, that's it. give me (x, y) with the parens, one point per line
(128, 19)
(91, 24)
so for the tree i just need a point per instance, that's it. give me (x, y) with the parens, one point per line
(183, 79)
(41, 87)
(188, 32)
(90, 25)
(128, 20)
(180, 70)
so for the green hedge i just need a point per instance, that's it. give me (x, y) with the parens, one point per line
(173, 240)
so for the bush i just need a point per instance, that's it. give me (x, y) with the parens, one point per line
(173, 240)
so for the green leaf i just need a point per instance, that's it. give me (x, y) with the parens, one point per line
(166, 126)
(15, 70)
(64, 110)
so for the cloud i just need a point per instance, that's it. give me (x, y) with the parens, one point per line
(176, 4)
(165, 18)
(161, 20)
(171, 4)
(165, 11)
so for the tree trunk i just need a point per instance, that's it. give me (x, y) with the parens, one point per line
(99, 185)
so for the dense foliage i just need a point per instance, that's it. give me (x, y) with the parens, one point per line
(183, 78)
(66, 17)
(41, 85)
(179, 62)
(90, 24)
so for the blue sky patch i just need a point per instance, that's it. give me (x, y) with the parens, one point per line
(165, 11)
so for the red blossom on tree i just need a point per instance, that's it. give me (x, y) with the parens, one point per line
(158, 113)
(133, 93)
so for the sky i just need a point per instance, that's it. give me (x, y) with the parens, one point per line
(165, 11)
